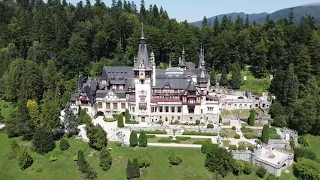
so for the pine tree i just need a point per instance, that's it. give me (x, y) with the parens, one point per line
(252, 118)
(97, 136)
(212, 76)
(127, 114)
(224, 78)
(51, 77)
(216, 26)
(120, 121)
(70, 122)
(204, 21)
(247, 24)
(130, 170)
(105, 160)
(136, 168)
(236, 76)
(43, 140)
(143, 141)
(265, 134)
(50, 109)
(133, 139)
(24, 159)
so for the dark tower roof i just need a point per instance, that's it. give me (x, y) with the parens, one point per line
(183, 61)
(142, 59)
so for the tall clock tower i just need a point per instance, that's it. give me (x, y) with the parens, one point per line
(142, 78)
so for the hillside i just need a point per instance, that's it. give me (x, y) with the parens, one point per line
(299, 12)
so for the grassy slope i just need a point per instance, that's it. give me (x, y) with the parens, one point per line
(314, 144)
(192, 167)
(256, 86)
(5, 111)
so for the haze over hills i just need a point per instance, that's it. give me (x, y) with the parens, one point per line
(299, 11)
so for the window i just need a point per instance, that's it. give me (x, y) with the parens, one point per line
(172, 117)
(155, 109)
(190, 118)
(179, 109)
(178, 117)
(108, 105)
(160, 109)
(152, 109)
(201, 111)
(115, 106)
(123, 105)
(133, 109)
(99, 104)
(133, 118)
(167, 109)
(160, 117)
(172, 109)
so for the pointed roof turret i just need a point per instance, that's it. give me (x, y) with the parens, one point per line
(183, 60)
(142, 59)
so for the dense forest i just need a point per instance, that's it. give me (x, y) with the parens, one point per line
(45, 46)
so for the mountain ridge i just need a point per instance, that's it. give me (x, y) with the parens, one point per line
(299, 11)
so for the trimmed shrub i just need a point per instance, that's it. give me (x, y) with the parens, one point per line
(120, 123)
(271, 177)
(175, 159)
(232, 147)
(304, 153)
(151, 136)
(197, 122)
(105, 160)
(250, 136)
(261, 172)
(183, 138)
(237, 136)
(43, 141)
(24, 159)
(251, 147)
(143, 162)
(64, 144)
(258, 141)
(241, 147)
(143, 140)
(186, 123)
(39, 169)
(199, 133)
(265, 134)
(160, 122)
(127, 114)
(133, 139)
(154, 132)
(246, 130)
(233, 128)
(52, 158)
(168, 140)
(210, 126)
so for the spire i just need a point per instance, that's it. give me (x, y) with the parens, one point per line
(142, 33)
(183, 50)
(201, 58)
(203, 64)
(183, 63)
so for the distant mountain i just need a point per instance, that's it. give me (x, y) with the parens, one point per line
(299, 11)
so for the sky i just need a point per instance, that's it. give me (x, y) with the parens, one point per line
(195, 10)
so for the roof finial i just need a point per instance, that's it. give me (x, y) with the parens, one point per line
(183, 50)
(142, 32)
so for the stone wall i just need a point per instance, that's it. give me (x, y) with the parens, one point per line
(242, 155)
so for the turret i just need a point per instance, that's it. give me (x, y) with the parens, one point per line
(153, 62)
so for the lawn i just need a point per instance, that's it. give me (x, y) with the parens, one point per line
(314, 144)
(224, 113)
(246, 144)
(188, 141)
(191, 168)
(5, 108)
(65, 167)
(241, 113)
(226, 143)
(227, 132)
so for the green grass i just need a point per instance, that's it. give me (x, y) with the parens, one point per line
(228, 132)
(6, 108)
(314, 144)
(191, 168)
(197, 133)
(224, 113)
(109, 119)
(246, 144)
(180, 140)
(226, 143)
(241, 113)
(256, 86)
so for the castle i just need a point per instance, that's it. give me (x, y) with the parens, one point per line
(151, 94)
